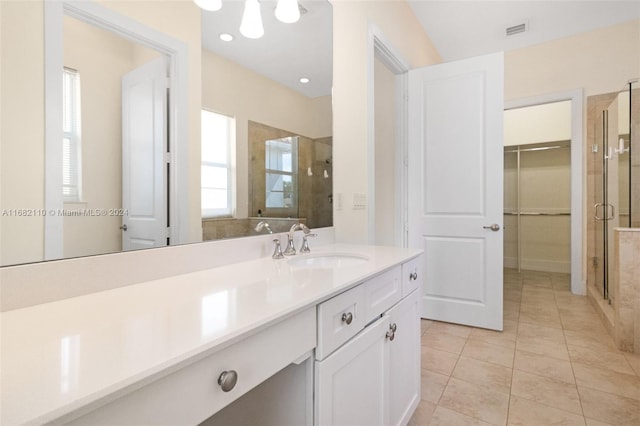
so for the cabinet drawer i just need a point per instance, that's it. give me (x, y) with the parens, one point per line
(382, 292)
(339, 319)
(411, 275)
(192, 394)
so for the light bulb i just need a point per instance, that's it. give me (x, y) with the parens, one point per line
(251, 25)
(210, 5)
(287, 11)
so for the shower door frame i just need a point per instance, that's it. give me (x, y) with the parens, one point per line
(578, 284)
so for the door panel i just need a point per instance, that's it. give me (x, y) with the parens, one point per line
(456, 189)
(404, 360)
(144, 173)
(352, 383)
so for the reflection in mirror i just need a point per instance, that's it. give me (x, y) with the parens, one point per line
(281, 174)
(93, 152)
(283, 128)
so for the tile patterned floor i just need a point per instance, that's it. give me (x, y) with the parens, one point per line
(554, 364)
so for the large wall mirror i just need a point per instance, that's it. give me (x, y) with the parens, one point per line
(114, 186)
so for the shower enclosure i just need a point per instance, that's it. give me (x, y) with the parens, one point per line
(615, 179)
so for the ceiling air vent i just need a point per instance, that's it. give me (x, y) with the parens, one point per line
(517, 29)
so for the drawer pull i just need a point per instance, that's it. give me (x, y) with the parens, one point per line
(228, 380)
(391, 334)
(347, 317)
(413, 276)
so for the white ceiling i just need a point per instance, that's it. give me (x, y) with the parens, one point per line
(458, 29)
(462, 29)
(286, 52)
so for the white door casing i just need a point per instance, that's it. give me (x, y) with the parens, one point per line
(456, 187)
(144, 142)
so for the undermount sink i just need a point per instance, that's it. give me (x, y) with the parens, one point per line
(327, 260)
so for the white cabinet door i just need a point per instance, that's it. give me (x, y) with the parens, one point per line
(404, 359)
(351, 385)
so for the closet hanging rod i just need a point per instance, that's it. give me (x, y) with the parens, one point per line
(536, 214)
(542, 148)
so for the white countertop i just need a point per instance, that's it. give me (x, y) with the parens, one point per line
(69, 356)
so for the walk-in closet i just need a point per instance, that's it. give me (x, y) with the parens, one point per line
(537, 188)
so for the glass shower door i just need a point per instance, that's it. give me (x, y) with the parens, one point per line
(612, 186)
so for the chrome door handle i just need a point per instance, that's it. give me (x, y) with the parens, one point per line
(124, 227)
(495, 227)
(606, 211)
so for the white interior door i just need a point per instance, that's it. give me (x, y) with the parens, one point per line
(144, 142)
(455, 187)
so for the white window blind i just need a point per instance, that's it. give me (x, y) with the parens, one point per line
(218, 140)
(71, 153)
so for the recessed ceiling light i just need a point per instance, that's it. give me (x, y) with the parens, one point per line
(304, 80)
(226, 37)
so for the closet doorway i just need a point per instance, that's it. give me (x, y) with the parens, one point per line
(537, 188)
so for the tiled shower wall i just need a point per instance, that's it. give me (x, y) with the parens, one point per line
(315, 201)
(627, 286)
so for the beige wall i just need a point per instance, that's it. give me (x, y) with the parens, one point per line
(21, 129)
(351, 56)
(233, 90)
(537, 124)
(599, 61)
(385, 155)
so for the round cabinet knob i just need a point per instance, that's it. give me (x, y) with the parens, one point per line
(228, 380)
(124, 227)
(413, 276)
(347, 317)
(391, 335)
(393, 327)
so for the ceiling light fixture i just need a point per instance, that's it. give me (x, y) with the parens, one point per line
(226, 37)
(210, 5)
(251, 25)
(287, 11)
(304, 80)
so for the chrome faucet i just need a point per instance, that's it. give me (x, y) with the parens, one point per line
(291, 249)
(263, 225)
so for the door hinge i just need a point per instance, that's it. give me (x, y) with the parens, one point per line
(167, 157)
(168, 232)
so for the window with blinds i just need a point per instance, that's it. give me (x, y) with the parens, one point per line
(218, 139)
(71, 158)
(281, 167)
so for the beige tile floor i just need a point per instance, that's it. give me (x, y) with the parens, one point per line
(554, 364)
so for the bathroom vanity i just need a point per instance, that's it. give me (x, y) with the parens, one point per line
(327, 338)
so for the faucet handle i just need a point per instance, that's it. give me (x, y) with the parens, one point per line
(305, 244)
(291, 248)
(277, 252)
